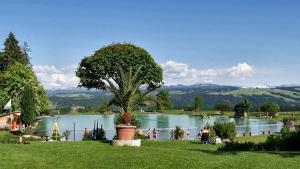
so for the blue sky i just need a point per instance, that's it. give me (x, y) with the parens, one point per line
(245, 43)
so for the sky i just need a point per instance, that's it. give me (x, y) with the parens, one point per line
(253, 43)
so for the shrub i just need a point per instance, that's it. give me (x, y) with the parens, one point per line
(287, 142)
(134, 121)
(236, 146)
(8, 138)
(225, 130)
(88, 136)
(212, 134)
(179, 133)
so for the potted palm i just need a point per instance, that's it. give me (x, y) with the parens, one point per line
(127, 71)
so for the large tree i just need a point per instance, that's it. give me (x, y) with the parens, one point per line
(13, 81)
(222, 106)
(121, 68)
(163, 100)
(270, 108)
(28, 105)
(12, 53)
(245, 105)
(198, 102)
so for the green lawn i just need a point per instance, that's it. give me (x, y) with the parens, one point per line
(152, 154)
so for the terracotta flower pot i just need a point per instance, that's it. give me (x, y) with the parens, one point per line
(125, 132)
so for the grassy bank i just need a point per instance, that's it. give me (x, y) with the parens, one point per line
(153, 154)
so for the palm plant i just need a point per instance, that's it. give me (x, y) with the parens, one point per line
(127, 91)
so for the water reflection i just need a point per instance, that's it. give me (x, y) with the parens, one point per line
(163, 122)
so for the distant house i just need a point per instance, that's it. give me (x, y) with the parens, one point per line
(10, 121)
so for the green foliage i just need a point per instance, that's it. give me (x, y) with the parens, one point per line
(198, 102)
(245, 105)
(28, 105)
(121, 69)
(225, 130)
(163, 100)
(212, 134)
(244, 146)
(270, 108)
(222, 106)
(8, 138)
(15, 78)
(283, 142)
(104, 107)
(134, 121)
(96, 134)
(13, 53)
(65, 110)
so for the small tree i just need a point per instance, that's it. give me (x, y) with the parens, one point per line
(122, 69)
(104, 107)
(28, 106)
(270, 108)
(198, 102)
(242, 107)
(163, 100)
(222, 106)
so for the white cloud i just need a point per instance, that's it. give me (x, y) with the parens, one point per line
(181, 73)
(53, 77)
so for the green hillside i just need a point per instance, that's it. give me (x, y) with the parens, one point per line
(182, 96)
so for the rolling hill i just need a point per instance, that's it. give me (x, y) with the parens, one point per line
(288, 97)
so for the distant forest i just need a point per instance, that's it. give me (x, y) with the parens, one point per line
(288, 98)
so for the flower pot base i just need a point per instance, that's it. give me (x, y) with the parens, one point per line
(125, 132)
(130, 143)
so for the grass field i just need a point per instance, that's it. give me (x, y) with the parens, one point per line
(152, 154)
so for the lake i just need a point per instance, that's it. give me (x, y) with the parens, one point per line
(163, 122)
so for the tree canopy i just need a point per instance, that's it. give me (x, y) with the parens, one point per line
(12, 53)
(123, 69)
(245, 105)
(15, 73)
(222, 106)
(163, 100)
(198, 102)
(28, 105)
(270, 108)
(14, 79)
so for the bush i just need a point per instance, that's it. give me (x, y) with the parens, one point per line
(8, 138)
(225, 130)
(88, 136)
(287, 142)
(212, 134)
(134, 120)
(236, 146)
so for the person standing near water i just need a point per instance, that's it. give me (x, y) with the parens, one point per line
(188, 134)
(155, 134)
(148, 134)
(172, 134)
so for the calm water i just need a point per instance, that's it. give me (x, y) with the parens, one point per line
(164, 123)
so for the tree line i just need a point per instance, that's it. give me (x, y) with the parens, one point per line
(19, 83)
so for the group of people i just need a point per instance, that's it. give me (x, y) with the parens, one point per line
(152, 135)
(202, 135)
